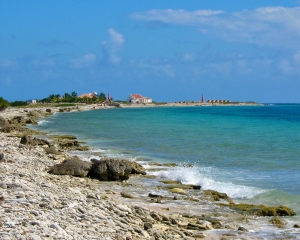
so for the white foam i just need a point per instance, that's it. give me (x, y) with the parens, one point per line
(206, 178)
(41, 122)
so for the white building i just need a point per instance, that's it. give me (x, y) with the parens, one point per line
(138, 98)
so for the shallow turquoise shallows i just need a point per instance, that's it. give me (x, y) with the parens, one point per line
(248, 152)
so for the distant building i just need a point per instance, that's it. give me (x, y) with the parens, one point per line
(31, 101)
(88, 95)
(138, 98)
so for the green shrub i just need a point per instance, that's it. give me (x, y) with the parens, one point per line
(18, 103)
(3, 104)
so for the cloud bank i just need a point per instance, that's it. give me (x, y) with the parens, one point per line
(271, 26)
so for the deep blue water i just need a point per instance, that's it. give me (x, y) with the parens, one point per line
(248, 152)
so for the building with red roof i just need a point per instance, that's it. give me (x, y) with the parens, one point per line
(138, 98)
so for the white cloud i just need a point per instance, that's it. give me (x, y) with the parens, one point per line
(268, 26)
(84, 61)
(49, 62)
(112, 46)
(7, 63)
(181, 16)
(189, 57)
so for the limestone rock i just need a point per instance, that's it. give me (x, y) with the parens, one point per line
(73, 166)
(126, 195)
(109, 169)
(178, 191)
(28, 140)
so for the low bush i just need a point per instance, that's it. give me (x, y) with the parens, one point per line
(18, 103)
(3, 104)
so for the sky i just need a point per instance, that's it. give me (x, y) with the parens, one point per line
(168, 50)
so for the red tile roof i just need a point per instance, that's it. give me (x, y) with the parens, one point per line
(136, 96)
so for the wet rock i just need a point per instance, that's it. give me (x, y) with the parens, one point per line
(217, 195)
(73, 166)
(261, 210)
(278, 222)
(296, 226)
(276, 211)
(48, 110)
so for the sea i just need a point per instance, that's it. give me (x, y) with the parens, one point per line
(252, 153)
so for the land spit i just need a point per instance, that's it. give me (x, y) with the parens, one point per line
(35, 204)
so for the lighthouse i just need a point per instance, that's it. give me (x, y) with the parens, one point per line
(202, 98)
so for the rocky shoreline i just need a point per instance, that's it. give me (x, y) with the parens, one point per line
(39, 204)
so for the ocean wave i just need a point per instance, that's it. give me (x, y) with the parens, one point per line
(203, 176)
(41, 122)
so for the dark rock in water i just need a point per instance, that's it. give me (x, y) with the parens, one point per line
(69, 143)
(296, 226)
(261, 210)
(114, 169)
(276, 211)
(217, 195)
(73, 166)
(48, 110)
(30, 121)
(65, 110)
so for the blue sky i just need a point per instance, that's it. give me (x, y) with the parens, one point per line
(168, 50)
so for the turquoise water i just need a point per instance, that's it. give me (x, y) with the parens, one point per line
(251, 153)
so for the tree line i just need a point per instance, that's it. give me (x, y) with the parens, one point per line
(57, 98)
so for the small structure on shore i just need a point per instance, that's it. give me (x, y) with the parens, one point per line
(138, 98)
(88, 95)
(218, 101)
(31, 101)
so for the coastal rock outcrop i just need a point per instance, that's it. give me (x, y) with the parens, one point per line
(110, 170)
(73, 166)
(4, 125)
(28, 140)
(105, 169)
